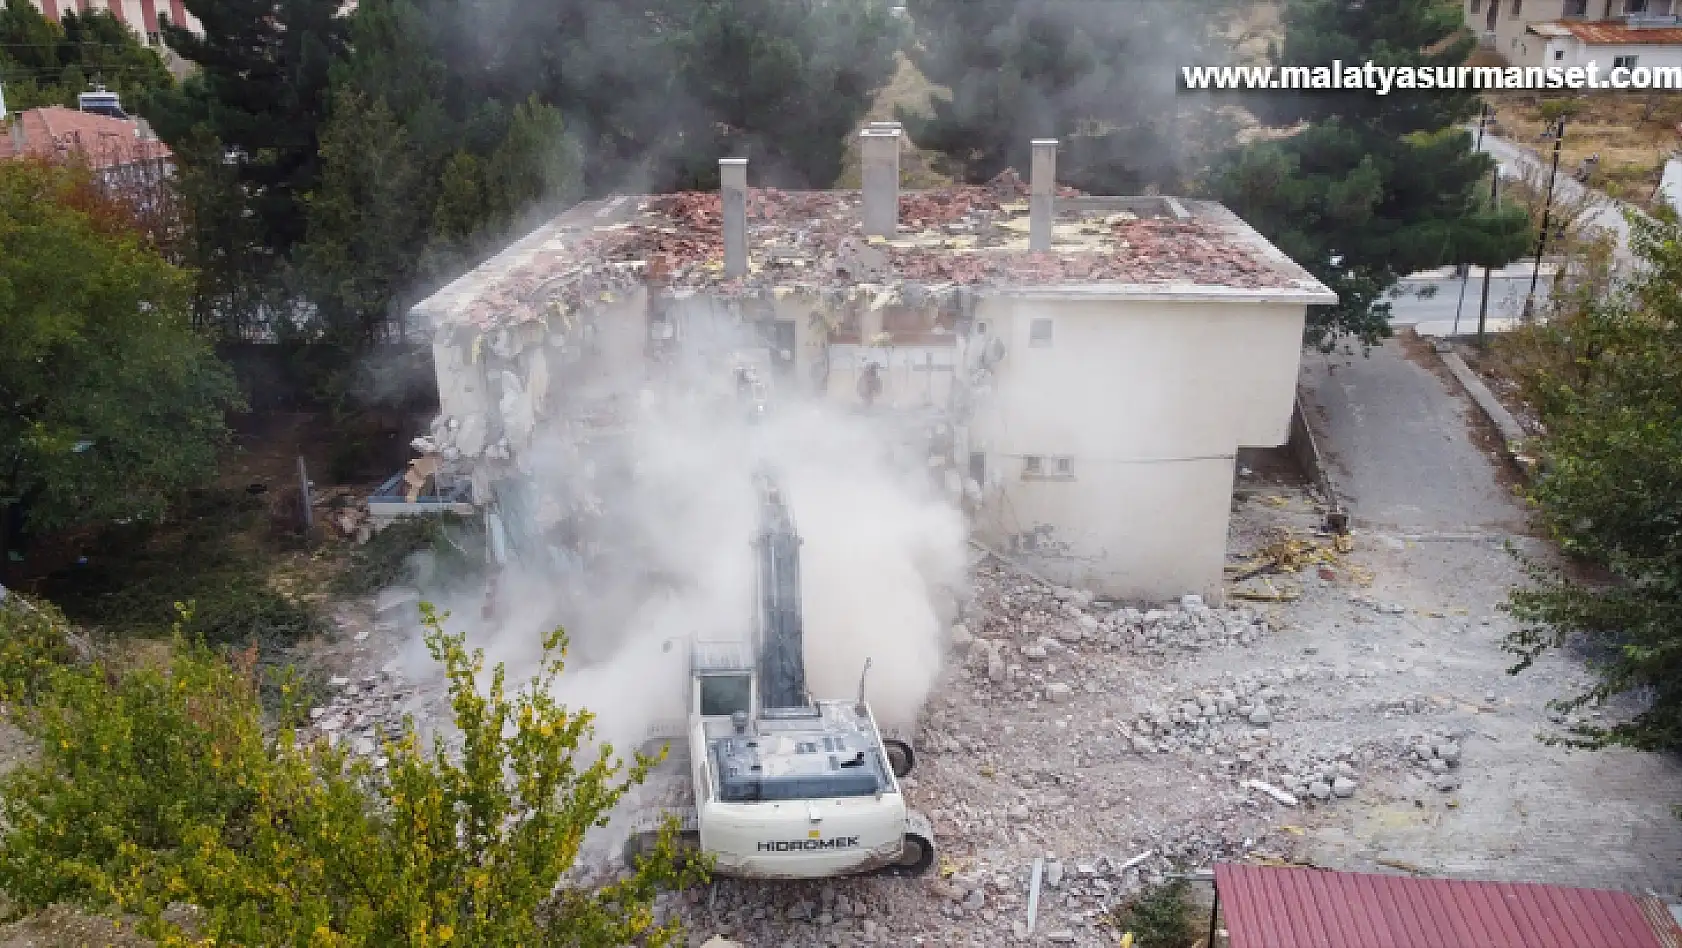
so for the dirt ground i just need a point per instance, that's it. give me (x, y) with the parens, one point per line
(1633, 134)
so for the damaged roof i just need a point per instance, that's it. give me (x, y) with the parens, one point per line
(972, 237)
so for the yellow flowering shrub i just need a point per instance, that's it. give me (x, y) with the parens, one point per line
(164, 786)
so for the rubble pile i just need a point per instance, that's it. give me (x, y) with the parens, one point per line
(1010, 606)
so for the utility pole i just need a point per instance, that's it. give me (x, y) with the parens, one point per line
(1483, 303)
(1465, 269)
(1547, 211)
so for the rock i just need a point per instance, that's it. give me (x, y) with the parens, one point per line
(976, 899)
(1143, 746)
(1034, 653)
(1343, 787)
(1020, 814)
(719, 941)
(1320, 790)
(869, 929)
(1069, 632)
(1446, 782)
(1261, 716)
(1058, 693)
(995, 667)
(1345, 769)
(961, 637)
(1439, 766)
(1062, 936)
(1448, 751)
(1054, 873)
(338, 681)
(1191, 602)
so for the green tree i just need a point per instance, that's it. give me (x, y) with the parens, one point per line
(114, 404)
(261, 93)
(164, 784)
(1098, 76)
(1372, 187)
(535, 166)
(47, 63)
(358, 258)
(782, 84)
(1606, 379)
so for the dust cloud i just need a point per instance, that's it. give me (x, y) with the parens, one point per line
(655, 548)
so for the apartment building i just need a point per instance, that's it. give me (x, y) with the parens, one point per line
(140, 15)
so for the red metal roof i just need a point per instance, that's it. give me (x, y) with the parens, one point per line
(1280, 907)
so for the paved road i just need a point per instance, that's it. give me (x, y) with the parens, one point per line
(1428, 301)
(1399, 444)
(1431, 519)
(1606, 214)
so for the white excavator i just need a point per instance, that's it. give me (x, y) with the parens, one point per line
(784, 786)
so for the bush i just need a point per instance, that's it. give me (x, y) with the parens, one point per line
(34, 640)
(162, 786)
(1606, 380)
(1159, 917)
(139, 572)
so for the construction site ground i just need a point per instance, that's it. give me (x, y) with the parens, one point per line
(1039, 742)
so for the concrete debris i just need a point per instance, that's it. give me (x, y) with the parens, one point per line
(1272, 791)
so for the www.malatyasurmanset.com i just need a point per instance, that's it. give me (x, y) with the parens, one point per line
(1381, 80)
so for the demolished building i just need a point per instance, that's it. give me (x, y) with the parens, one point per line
(1086, 367)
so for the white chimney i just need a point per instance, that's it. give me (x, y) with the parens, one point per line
(733, 182)
(1042, 193)
(880, 153)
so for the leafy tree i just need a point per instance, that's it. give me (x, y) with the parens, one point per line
(47, 63)
(164, 784)
(114, 404)
(1372, 187)
(1606, 379)
(1100, 77)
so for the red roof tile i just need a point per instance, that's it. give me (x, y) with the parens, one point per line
(1615, 33)
(1278, 907)
(58, 132)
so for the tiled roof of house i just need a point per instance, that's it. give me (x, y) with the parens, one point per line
(57, 132)
(1617, 33)
(810, 242)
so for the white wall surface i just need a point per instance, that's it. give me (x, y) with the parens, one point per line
(1150, 401)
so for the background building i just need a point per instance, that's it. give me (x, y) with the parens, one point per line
(140, 15)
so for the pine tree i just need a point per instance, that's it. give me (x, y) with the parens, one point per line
(261, 90)
(1373, 187)
(1099, 76)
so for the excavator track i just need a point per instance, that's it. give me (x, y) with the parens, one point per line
(918, 858)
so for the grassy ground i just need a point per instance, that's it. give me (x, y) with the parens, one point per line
(1633, 134)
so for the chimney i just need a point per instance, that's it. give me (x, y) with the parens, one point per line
(733, 182)
(880, 146)
(1042, 193)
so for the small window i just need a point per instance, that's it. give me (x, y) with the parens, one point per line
(1518, 5)
(981, 328)
(1039, 333)
(1065, 467)
(1033, 466)
(1623, 62)
(153, 39)
(1576, 8)
(978, 467)
(1635, 6)
(1477, 6)
(1559, 54)
(724, 695)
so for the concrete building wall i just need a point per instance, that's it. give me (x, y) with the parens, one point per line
(1134, 411)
